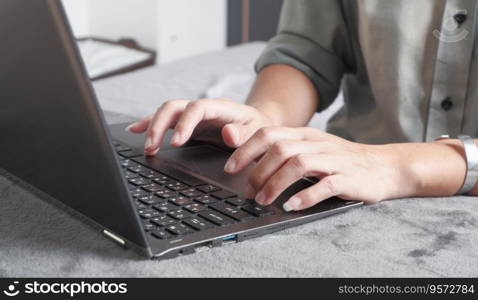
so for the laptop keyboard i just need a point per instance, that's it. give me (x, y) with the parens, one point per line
(178, 204)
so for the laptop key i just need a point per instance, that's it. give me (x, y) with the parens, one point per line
(191, 193)
(179, 214)
(167, 194)
(137, 169)
(140, 205)
(173, 172)
(162, 221)
(221, 195)
(239, 201)
(150, 200)
(180, 201)
(148, 213)
(150, 174)
(179, 229)
(258, 210)
(139, 181)
(209, 188)
(231, 211)
(206, 199)
(137, 193)
(177, 186)
(127, 163)
(161, 177)
(187, 179)
(163, 181)
(165, 207)
(162, 190)
(198, 224)
(129, 175)
(216, 218)
(160, 234)
(148, 226)
(152, 187)
(195, 208)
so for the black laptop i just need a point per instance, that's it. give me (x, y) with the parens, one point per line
(54, 137)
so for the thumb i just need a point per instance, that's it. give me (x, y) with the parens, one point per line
(234, 135)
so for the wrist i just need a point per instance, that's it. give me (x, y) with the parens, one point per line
(434, 169)
(270, 113)
(405, 177)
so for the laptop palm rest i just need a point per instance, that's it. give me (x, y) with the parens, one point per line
(208, 162)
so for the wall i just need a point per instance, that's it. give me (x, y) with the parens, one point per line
(175, 28)
(191, 26)
(78, 15)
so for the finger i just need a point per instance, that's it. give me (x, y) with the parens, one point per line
(296, 167)
(235, 135)
(257, 145)
(164, 118)
(198, 111)
(276, 156)
(192, 115)
(139, 126)
(326, 188)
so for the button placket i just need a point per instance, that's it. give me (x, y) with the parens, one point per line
(452, 70)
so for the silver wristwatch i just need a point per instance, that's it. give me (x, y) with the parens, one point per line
(471, 154)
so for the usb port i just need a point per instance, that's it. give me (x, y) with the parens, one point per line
(203, 247)
(229, 239)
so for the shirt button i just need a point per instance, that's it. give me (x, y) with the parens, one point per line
(460, 18)
(447, 104)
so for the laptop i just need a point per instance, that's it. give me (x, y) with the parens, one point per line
(53, 136)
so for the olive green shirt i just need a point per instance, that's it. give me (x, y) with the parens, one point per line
(407, 68)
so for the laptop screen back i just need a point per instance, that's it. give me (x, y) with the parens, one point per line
(52, 134)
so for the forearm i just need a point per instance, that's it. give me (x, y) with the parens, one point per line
(433, 169)
(285, 95)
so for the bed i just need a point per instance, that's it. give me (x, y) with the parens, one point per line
(408, 237)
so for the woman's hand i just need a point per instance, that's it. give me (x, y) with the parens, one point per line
(351, 171)
(213, 120)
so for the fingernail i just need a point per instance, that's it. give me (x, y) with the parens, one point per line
(261, 197)
(128, 128)
(149, 143)
(292, 204)
(152, 153)
(176, 138)
(230, 165)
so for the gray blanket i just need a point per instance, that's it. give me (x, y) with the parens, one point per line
(406, 237)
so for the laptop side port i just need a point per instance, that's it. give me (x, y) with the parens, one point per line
(203, 246)
(229, 239)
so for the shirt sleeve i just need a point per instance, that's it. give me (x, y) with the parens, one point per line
(313, 38)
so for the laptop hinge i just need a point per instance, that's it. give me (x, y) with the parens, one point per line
(114, 237)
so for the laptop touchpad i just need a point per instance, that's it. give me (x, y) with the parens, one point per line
(208, 162)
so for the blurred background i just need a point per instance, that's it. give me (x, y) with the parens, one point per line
(148, 51)
(176, 29)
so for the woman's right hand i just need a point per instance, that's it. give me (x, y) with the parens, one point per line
(220, 121)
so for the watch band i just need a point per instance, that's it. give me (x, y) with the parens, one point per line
(471, 153)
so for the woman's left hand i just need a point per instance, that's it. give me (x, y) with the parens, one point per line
(349, 170)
